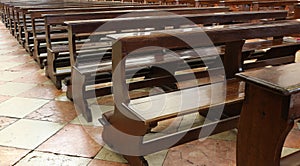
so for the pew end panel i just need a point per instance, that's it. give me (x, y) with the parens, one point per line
(270, 108)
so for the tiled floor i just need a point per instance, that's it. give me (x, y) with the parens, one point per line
(39, 126)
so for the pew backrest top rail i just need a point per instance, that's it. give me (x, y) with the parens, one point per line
(89, 11)
(235, 32)
(53, 18)
(108, 8)
(86, 26)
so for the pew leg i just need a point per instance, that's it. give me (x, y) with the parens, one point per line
(136, 160)
(27, 42)
(58, 83)
(68, 82)
(46, 70)
(50, 70)
(263, 127)
(37, 53)
(41, 59)
(125, 139)
(35, 49)
(79, 99)
(69, 92)
(20, 36)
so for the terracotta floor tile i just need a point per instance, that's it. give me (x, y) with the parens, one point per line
(21, 57)
(5, 58)
(230, 135)
(9, 51)
(5, 121)
(205, 152)
(95, 133)
(96, 162)
(168, 126)
(62, 97)
(11, 75)
(30, 66)
(19, 50)
(72, 140)
(55, 111)
(47, 159)
(287, 151)
(108, 155)
(28, 134)
(5, 43)
(42, 91)
(97, 111)
(293, 139)
(105, 100)
(16, 53)
(10, 42)
(20, 107)
(10, 156)
(2, 82)
(157, 158)
(8, 65)
(36, 77)
(4, 98)
(49, 82)
(14, 89)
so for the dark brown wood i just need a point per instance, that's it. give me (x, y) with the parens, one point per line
(280, 4)
(91, 13)
(58, 19)
(271, 105)
(141, 119)
(297, 11)
(200, 19)
(232, 4)
(230, 69)
(22, 9)
(16, 8)
(233, 63)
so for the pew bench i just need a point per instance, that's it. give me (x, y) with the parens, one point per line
(58, 19)
(38, 19)
(23, 26)
(26, 11)
(140, 121)
(12, 9)
(271, 5)
(126, 128)
(54, 20)
(85, 76)
(234, 5)
(297, 11)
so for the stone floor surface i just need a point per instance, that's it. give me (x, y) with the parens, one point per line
(39, 125)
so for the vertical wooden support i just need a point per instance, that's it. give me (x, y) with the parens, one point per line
(264, 116)
(233, 58)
